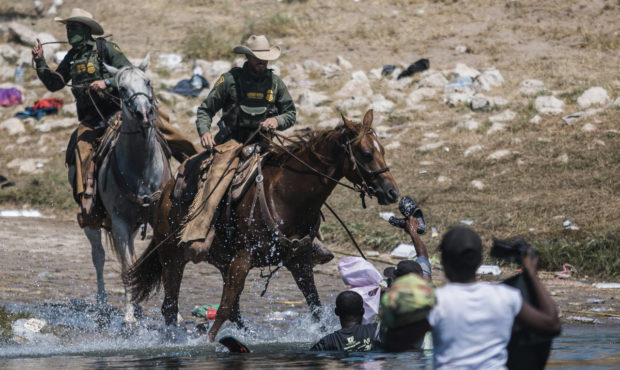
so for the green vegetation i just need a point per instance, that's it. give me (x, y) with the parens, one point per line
(204, 43)
(49, 190)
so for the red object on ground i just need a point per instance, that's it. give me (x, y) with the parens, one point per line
(49, 103)
(211, 314)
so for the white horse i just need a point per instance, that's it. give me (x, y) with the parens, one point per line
(131, 177)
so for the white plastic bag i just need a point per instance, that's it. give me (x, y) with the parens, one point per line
(365, 279)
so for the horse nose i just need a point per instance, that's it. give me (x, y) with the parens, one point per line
(393, 194)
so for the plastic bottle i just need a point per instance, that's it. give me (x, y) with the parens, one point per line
(19, 74)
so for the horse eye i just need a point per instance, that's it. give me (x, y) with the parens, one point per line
(367, 156)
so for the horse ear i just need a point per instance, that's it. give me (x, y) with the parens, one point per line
(145, 62)
(112, 70)
(348, 124)
(367, 121)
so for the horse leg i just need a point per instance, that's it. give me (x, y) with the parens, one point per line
(122, 238)
(233, 286)
(171, 278)
(235, 315)
(98, 255)
(304, 278)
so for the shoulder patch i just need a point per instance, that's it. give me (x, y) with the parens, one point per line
(114, 46)
(218, 82)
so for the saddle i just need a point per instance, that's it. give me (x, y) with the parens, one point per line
(204, 182)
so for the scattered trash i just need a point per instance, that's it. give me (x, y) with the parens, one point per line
(566, 272)
(434, 232)
(418, 66)
(531, 229)
(587, 320)
(169, 60)
(567, 225)
(489, 270)
(467, 222)
(372, 253)
(207, 311)
(403, 251)
(193, 86)
(20, 213)
(423, 172)
(595, 300)
(386, 215)
(458, 83)
(388, 69)
(42, 108)
(19, 74)
(447, 149)
(10, 97)
(35, 325)
(607, 285)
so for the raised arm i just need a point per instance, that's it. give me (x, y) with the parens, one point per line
(411, 227)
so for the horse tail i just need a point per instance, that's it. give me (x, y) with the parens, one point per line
(145, 275)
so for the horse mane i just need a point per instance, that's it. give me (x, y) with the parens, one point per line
(308, 141)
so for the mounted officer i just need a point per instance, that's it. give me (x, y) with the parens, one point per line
(95, 92)
(250, 97)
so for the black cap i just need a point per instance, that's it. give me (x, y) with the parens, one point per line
(461, 246)
(403, 268)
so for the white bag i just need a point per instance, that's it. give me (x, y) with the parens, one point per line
(365, 279)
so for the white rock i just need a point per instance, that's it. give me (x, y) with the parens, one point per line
(275, 68)
(330, 123)
(48, 49)
(311, 98)
(536, 119)
(28, 165)
(463, 70)
(472, 149)
(469, 125)
(442, 179)
(331, 70)
(430, 135)
(21, 34)
(496, 101)
(52, 124)
(375, 74)
(343, 63)
(239, 62)
(358, 86)
(353, 102)
(69, 109)
(432, 79)
(310, 64)
(461, 48)
(418, 95)
(14, 126)
(496, 127)
(393, 145)
(60, 55)
(430, 146)
(217, 68)
(499, 154)
(563, 158)
(457, 97)
(616, 102)
(548, 105)
(479, 102)
(588, 127)
(531, 87)
(505, 116)
(488, 79)
(7, 73)
(593, 96)
(8, 53)
(381, 104)
(574, 117)
(170, 61)
(477, 184)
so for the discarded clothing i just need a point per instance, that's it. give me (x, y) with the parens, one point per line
(419, 66)
(10, 97)
(49, 102)
(364, 279)
(191, 87)
(42, 108)
(36, 113)
(388, 69)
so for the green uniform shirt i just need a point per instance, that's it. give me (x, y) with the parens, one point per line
(82, 66)
(259, 97)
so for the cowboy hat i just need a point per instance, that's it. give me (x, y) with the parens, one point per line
(82, 16)
(258, 46)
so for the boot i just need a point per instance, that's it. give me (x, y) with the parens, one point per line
(320, 254)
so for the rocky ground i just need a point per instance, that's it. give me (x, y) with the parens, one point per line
(513, 129)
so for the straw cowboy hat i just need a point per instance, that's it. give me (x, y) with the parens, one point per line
(258, 46)
(82, 16)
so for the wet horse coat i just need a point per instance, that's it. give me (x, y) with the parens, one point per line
(294, 196)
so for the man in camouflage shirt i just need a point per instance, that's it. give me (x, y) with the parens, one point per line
(93, 89)
(249, 97)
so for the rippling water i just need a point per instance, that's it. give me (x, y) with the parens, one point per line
(275, 343)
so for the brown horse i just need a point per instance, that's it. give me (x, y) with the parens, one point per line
(294, 196)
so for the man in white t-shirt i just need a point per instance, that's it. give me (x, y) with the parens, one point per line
(472, 321)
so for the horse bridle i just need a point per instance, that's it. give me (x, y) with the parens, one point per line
(364, 187)
(129, 103)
